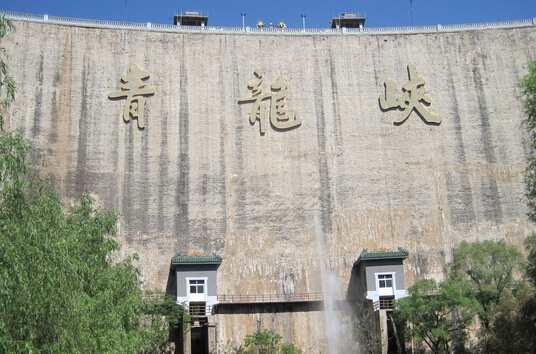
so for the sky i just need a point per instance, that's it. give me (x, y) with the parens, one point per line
(379, 13)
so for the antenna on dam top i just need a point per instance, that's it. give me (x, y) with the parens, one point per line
(411, 10)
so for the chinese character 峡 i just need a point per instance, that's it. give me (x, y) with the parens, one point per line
(410, 99)
(134, 90)
(278, 117)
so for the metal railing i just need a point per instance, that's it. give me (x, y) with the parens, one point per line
(384, 304)
(266, 298)
(264, 30)
(198, 310)
(158, 298)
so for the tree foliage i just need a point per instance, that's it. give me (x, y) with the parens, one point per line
(263, 342)
(530, 246)
(528, 91)
(61, 292)
(480, 282)
(513, 324)
(512, 329)
(436, 314)
(487, 270)
(367, 330)
(267, 341)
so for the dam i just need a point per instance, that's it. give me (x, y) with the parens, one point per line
(218, 148)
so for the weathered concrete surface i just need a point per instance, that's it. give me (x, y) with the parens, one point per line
(299, 323)
(200, 177)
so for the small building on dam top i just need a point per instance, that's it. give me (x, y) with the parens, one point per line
(269, 177)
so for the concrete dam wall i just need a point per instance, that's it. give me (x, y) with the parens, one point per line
(205, 163)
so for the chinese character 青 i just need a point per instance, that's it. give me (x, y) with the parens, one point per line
(411, 98)
(134, 90)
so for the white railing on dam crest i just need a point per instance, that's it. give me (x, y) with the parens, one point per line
(264, 30)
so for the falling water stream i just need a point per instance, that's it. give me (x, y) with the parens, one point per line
(330, 289)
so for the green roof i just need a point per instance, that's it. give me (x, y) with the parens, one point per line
(371, 255)
(180, 258)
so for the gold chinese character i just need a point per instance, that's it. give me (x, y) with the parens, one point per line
(134, 89)
(278, 117)
(410, 99)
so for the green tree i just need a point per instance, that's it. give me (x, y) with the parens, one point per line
(266, 341)
(487, 268)
(159, 306)
(512, 329)
(528, 91)
(367, 330)
(290, 349)
(435, 314)
(530, 269)
(527, 312)
(60, 290)
(263, 342)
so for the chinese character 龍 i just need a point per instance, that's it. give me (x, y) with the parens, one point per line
(278, 117)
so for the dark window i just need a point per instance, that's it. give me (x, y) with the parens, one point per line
(197, 286)
(385, 280)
